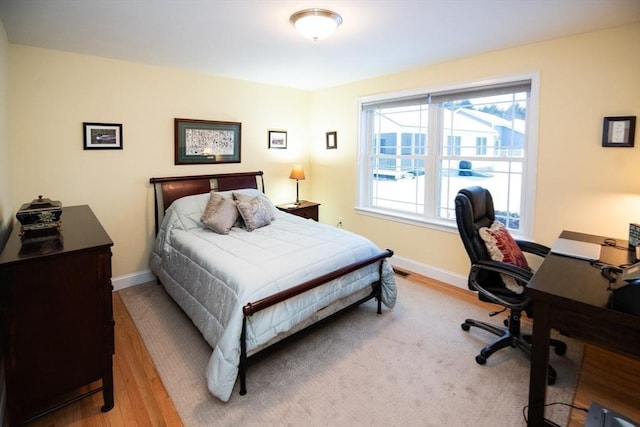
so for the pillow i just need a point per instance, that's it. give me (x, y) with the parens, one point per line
(253, 193)
(254, 210)
(220, 214)
(502, 247)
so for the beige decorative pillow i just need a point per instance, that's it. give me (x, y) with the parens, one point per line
(252, 192)
(254, 210)
(220, 214)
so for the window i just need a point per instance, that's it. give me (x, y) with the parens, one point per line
(481, 146)
(417, 150)
(453, 145)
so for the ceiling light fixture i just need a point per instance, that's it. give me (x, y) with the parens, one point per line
(316, 24)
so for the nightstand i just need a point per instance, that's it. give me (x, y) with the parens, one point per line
(305, 209)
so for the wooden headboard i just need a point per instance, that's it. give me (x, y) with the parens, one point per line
(172, 188)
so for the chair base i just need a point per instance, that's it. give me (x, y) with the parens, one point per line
(511, 337)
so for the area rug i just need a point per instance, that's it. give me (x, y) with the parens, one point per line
(410, 366)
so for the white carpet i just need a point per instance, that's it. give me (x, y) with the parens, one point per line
(410, 366)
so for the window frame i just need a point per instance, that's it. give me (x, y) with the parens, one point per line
(527, 208)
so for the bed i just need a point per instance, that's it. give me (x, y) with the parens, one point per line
(245, 287)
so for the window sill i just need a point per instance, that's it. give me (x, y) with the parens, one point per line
(404, 218)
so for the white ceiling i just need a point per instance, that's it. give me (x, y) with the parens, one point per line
(253, 39)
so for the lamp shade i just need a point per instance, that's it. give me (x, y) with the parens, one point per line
(315, 24)
(297, 173)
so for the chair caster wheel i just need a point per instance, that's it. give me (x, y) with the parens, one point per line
(465, 327)
(560, 348)
(481, 359)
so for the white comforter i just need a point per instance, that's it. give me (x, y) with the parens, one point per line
(212, 276)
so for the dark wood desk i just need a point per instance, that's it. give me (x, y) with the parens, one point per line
(571, 295)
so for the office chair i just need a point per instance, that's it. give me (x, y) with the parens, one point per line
(474, 210)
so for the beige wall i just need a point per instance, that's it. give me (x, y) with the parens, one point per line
(53, 93)
(580, 185)
(6, 205)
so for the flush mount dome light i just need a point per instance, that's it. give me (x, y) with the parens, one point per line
(316, 24)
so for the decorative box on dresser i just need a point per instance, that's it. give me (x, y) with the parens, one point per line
(57, 317)
(305, 209)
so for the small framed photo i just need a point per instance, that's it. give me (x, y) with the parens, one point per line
(102, 136)
(277, 139)
(332, 140)
(204, 141)
(618, 131)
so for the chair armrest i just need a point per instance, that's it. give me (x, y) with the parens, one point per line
(518, 273)
(533, 248)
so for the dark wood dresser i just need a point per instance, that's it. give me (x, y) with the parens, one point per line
(57, 317)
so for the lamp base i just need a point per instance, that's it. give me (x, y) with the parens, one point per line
(297, 194)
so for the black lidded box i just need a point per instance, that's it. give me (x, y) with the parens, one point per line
(40, 215)
(634, 235)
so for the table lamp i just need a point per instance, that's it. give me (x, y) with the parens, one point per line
(297, 173)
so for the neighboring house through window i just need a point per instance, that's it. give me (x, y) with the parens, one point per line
(417, 149)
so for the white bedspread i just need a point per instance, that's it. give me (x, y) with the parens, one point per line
(212, 276)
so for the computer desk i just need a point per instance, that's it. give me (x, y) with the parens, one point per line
(571, 296)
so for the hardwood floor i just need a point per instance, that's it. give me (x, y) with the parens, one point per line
(141, 399)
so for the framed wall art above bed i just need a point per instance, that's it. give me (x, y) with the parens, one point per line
(205, 141)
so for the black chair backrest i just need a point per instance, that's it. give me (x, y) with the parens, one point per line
(474, 210)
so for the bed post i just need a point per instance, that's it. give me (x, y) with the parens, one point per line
(379, 284)
(243, 357)
(155, 205)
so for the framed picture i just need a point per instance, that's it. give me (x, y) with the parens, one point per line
(204, 141)
(618, 131)
(277, 139)
(332, 140)
(102, 136)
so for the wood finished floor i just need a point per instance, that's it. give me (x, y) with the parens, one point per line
(141, 399)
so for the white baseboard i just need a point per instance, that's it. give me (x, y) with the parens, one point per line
(140, 277)
(132, 279)
(430, 271)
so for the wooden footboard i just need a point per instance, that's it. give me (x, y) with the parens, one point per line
(256, 306)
